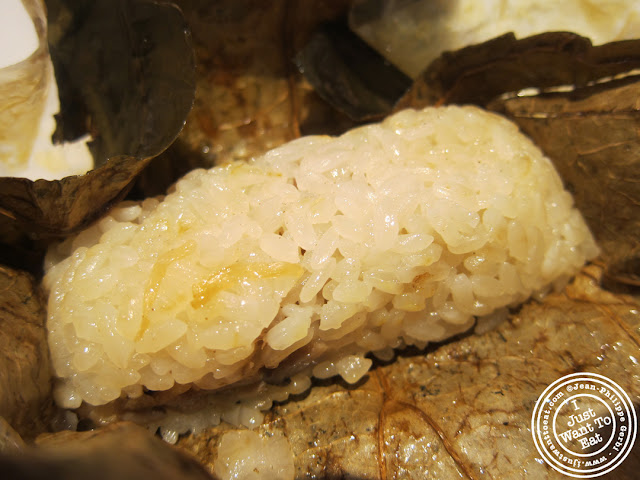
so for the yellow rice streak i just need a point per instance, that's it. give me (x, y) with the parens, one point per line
(158, 272)
(239, 273)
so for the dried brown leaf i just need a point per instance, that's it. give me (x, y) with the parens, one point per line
(479, 73)
(25, 371)
(119, 451)
(10, 440)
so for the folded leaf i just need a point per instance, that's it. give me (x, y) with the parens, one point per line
(479, 73)
(126, 74)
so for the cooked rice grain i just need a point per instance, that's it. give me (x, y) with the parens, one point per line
(394, 234)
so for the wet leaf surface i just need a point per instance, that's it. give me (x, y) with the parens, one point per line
(462, 410)
(117, 63)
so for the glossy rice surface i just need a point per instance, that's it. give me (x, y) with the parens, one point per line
(313, 255)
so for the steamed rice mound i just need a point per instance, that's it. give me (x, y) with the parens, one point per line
(322, 250)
